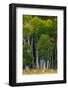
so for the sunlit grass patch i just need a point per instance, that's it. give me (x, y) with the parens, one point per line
(39, 71)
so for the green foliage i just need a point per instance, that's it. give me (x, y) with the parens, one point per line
(27, 54)
(36, 22)
(27, 31)
(44, 42)
(45, 47)
(51, 27)
(26, 18)
(27, 27)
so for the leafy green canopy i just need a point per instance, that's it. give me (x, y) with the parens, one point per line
(45, 47)
(27, 31)
(37, 26)
(40, 26)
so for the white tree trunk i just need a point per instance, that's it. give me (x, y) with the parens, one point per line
(48, 64)
(27, 68)
(28, 41)
(42, 64)
(37, 63)
(32, 46)
(52, 61)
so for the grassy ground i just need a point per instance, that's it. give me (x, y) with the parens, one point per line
(39, 71)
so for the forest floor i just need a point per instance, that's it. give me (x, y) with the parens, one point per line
(39, 71)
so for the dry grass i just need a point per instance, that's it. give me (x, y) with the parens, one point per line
(39, 71)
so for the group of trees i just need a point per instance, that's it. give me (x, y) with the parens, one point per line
(39, 41)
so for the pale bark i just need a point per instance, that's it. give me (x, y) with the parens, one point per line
(28, 41)
(27, 68)
(48, 64)
(52, 61)
(42, 64)
(37, 62)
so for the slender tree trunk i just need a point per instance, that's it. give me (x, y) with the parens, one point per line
(47, 64)
(52, 61)
(28, 41)
(37, 62)
(44, 65)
